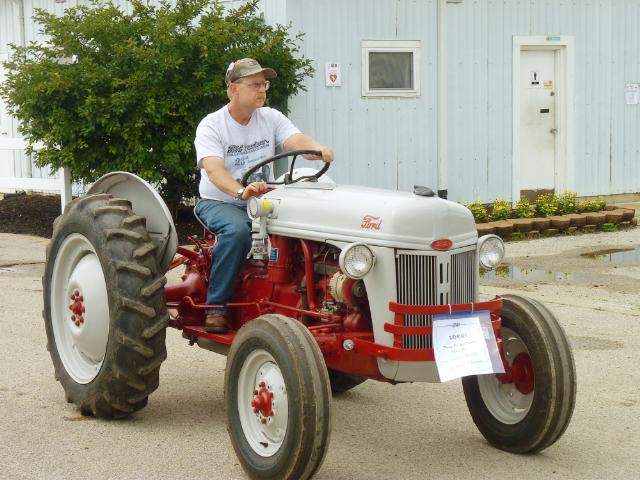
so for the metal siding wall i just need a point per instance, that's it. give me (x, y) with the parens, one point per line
(607, 37)
(382, 142)
(9, 31)
(391, 143)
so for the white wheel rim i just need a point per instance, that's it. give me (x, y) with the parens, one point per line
(504, 401)
(260, 373)
(80, 334)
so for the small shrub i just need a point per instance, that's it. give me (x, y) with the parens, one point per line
(567, 203)
(501, 210)
(547, 204)
(524, 209)
(479, 211)
(593, 205)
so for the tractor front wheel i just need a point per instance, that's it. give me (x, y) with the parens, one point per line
(529, 407)
(278, 399)
(104, 308)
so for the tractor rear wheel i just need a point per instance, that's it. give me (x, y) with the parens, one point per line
(104, 308)
(278, 399)
(529, 411)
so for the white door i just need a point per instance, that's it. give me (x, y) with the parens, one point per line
(537, 120)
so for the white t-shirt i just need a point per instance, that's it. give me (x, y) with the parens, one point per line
(241, 146)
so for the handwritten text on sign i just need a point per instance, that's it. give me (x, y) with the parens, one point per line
(460, 348)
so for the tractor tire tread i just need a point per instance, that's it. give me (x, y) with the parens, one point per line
(138, 307)
(134, 268)
(160, 325)
(136, 345)
(131, 235)
(114, 209)
(152, 366)
(120, 375)
(134, 220)
(121, 202)
(144, 250)
(570, 381)
(153, 287)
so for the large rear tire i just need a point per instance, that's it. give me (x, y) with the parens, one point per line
(531, 412)
(104, 309)
(278, 399)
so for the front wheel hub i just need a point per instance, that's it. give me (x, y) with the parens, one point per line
(508, 396)
(262, 403)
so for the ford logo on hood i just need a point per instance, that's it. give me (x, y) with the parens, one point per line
(442, 244)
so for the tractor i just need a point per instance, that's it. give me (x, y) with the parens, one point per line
(343, 284)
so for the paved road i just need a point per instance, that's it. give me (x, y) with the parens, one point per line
(380, 431)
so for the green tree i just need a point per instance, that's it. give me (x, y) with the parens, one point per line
(112, 90)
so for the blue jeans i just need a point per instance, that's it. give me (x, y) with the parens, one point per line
(232, 227)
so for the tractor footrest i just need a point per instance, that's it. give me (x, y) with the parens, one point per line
(224, 338)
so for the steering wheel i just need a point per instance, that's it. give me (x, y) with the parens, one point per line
(288, 177)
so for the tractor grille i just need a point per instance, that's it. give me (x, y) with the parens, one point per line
(433, 279)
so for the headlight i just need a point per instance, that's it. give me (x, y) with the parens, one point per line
(356, 260)
(490, 251)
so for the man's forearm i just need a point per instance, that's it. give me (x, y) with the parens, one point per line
(300, 141)
(221, 178)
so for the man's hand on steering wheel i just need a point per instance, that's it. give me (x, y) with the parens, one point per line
(254, 189)
(327, 155)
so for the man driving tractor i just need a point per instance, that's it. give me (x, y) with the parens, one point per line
(229, 142)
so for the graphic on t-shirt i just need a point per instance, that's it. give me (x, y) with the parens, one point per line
(240, 149)
(244, 157)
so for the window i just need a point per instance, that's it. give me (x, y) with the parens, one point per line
(390, 68)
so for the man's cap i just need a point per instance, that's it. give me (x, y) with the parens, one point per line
(246, 67)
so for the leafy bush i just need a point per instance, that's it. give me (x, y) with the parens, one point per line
(547, 204)
(501, 210)
(593, 205)
(112, 90)
(524, 209)
(479, 211)
(567, 203)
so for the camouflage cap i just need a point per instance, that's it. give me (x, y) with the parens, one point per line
(246, 67)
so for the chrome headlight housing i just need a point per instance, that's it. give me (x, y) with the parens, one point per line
(490, 251)
(356, 260)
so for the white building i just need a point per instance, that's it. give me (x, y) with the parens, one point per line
(478, 98)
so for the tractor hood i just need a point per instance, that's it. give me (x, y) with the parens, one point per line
(347, 213)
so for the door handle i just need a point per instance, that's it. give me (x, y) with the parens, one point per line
(553, 130)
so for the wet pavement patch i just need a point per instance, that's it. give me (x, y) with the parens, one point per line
(512, 272)
(593, 343)
(621, 256)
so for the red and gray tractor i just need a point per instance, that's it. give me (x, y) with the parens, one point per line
(343, 284)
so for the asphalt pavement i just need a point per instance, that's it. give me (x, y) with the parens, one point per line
(380, 431)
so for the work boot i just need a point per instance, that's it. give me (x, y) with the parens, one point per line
(216, 323)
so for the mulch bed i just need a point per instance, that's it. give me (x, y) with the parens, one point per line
(33, 214)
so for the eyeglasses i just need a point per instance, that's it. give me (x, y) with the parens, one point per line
(257, 85)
